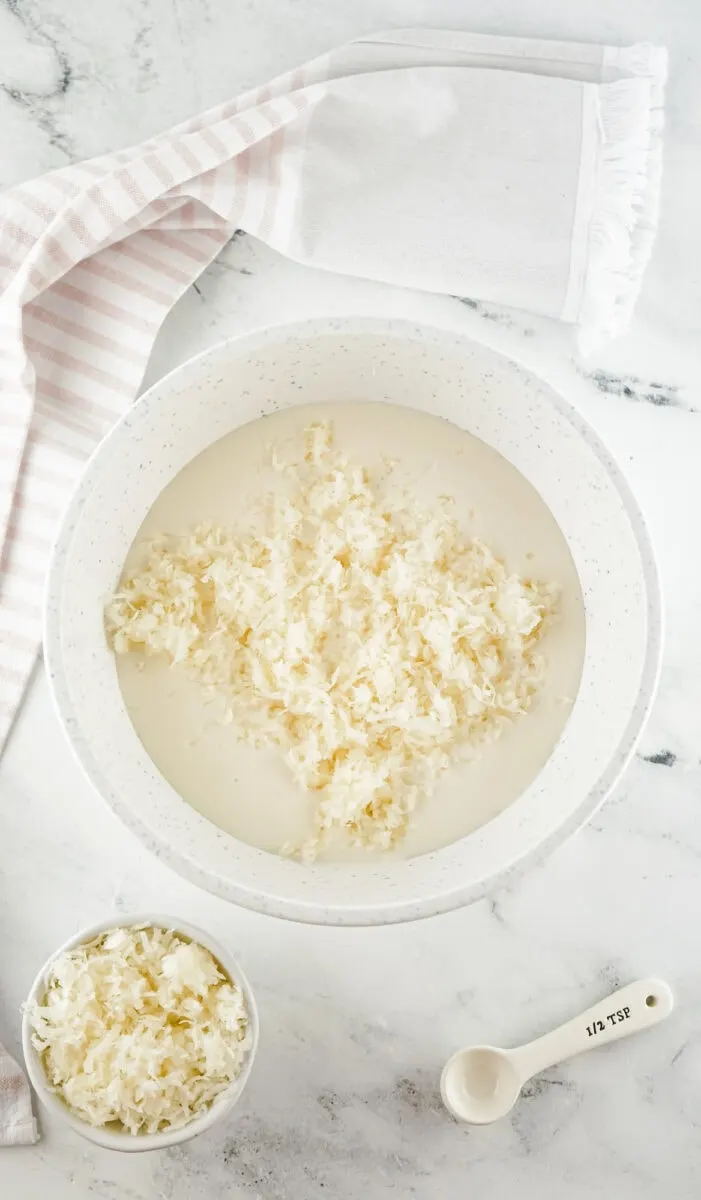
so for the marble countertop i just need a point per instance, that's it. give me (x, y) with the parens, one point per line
(356, 1024)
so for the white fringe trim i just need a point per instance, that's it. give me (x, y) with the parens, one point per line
(626, 192)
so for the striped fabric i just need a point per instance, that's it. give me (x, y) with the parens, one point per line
(514, 170)
(92, 258)
(17, 1124)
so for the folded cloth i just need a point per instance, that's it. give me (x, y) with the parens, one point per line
(516, 171)
(17, 1125)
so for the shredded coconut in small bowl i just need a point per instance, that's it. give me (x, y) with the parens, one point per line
(372, 643)
(140, 1027)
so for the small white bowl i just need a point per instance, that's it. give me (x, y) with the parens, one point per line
(112, 1139)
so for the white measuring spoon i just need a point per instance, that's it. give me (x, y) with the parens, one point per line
(480, 1084)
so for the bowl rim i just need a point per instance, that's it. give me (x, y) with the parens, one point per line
(128, 1142)
(307, 910)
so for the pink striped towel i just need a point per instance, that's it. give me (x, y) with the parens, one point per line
(521, 172)
(17, 1124)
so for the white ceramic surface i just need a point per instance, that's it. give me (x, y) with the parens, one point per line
(395, 362)
(112, 1139)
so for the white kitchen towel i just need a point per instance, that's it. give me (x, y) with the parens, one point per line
(517, 171)
(17, 1125)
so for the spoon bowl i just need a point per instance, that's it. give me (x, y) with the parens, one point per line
(480, 1084)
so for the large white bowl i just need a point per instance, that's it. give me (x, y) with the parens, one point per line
(500, 402)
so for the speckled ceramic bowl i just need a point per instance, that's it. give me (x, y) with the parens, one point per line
(116, 1139)
(500, 402)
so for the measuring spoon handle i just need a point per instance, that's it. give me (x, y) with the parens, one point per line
(629, 1010)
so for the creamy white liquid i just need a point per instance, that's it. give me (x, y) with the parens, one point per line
(250, 793)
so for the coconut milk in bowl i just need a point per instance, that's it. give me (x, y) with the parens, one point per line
(458, 465)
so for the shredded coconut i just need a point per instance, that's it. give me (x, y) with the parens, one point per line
(371, 642)
(140, 1027)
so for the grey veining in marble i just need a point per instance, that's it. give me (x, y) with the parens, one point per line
(356, 1024)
